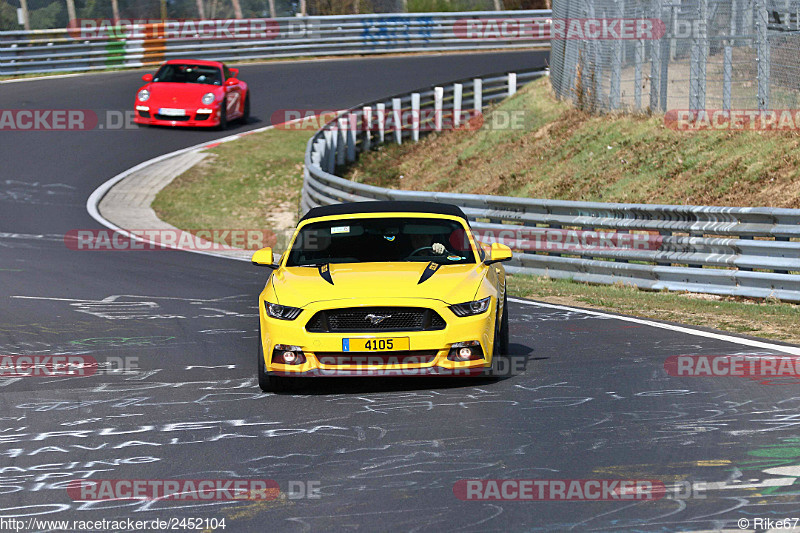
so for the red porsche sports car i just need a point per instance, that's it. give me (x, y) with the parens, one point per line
(189, 92)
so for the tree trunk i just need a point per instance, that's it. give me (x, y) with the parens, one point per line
(237, 9)
(71, 10)
(26, 19)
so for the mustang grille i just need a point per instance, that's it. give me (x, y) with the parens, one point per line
(366, 319)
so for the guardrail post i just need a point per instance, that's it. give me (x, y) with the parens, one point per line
(438, 96)
(334, 148)
(341, 142)
(512, 83)
(327, 160)
(319, 151)
(398, 122)
(367, 122)
(351, 137)
(381, 110)
(458, 90)
(477, 99)
(415, 117)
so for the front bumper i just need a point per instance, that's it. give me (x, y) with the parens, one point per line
(206, 116)
(323, 351)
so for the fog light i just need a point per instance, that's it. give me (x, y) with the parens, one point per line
(465, 351)
(287, 354)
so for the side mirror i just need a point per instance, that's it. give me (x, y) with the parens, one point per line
(264, 257)
(231, 81)
(148, 78)
(498, 253)
(234, 72)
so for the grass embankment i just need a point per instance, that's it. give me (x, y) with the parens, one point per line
(252, 183)
(561, 153)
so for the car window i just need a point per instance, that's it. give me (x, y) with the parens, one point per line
(187, 73)
(382, 240)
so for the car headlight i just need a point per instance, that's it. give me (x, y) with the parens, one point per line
(144, 95)
(208, 98)
(283, 312)
(471, 308)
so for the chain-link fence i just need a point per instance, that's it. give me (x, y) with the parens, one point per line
(677, 54)
(52, 14)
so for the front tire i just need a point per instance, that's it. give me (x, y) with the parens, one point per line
(505, 336)
(263, 378)
(500, 358)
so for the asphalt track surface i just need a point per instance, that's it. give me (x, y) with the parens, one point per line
(593, 400)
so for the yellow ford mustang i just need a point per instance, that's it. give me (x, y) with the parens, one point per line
(382, 288)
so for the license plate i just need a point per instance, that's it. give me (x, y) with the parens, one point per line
(375, 345)
(169, 112)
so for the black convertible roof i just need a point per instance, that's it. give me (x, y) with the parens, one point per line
(351, 208)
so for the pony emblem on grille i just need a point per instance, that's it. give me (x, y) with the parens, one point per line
(376, 319)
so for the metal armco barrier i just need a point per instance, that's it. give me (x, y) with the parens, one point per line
(740, 251)
(144, 44)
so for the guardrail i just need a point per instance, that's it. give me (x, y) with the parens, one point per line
(97, 46)
(740, 251)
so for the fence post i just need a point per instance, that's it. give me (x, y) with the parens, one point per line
(638, 58)
(458, 90)
(512, 83)
(438, 96)
(381, 118)
(663, 76)
(727, 74)
(477, 99)
(398, 120)
(351, 137)
(616, 63)
(762, 44)
(415, 117)
(367, 123)
(655, 59)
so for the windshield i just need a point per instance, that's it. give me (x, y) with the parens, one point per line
(377, 240)
(185, 73)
